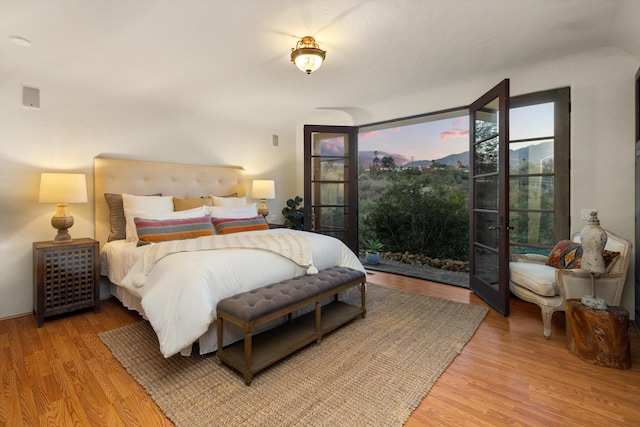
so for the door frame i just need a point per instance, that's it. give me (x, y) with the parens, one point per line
(350, 180)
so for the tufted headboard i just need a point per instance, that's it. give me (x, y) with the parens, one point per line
(171, 179)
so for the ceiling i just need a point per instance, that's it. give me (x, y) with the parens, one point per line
(231, 58)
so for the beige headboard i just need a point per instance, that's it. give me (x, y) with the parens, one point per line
(171, 179)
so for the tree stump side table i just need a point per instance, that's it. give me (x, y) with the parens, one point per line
(600, 337)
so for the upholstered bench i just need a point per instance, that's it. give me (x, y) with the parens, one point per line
(259, 306)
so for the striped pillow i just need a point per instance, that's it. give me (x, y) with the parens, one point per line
(235, 225)
(160, 230)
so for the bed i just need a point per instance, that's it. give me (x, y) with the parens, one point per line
(175, 283)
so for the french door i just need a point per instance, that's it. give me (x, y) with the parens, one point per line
(331, 182)
(489, 197)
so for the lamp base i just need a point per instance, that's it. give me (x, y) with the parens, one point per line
(62, 224)
(262, 208)
(594, 302)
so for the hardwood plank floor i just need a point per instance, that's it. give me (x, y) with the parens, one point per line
(508, 374)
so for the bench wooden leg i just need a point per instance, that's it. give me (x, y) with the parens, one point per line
(318, 321)
(363, 298)
(219, 324)
(247, 358)
(248, 376)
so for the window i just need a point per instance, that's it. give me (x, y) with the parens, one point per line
(437, 145)
(539, 171)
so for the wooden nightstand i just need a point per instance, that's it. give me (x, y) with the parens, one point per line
(272, 226)
(66, 277)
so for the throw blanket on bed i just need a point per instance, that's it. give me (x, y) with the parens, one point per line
(292, 246)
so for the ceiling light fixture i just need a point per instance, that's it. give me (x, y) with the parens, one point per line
(307, 55)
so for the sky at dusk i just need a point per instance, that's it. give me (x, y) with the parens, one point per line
(440, 138)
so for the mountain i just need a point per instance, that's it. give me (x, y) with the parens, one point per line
(532, 153)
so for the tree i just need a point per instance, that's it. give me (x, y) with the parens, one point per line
(388, 163)
(376, 160)
(424, 220)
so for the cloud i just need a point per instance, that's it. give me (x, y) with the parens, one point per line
(333, 146)
(462, 122)
(459, 129)
(454, 134)
(366, 135)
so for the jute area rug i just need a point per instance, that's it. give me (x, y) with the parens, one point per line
(371, 372)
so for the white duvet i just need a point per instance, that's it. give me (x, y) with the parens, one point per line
(182, 289)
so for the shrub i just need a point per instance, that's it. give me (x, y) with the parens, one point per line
(433, 220)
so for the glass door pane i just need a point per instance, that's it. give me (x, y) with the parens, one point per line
(539, 171)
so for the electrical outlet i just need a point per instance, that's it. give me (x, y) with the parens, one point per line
(587, 211)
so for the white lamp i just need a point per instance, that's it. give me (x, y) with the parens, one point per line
(63, 188)
(263, 189)
(593, 239)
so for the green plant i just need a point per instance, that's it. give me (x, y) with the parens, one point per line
(431, 220)
(294, 214)
(373, 245)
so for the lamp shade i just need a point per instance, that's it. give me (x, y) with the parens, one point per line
(63, 188)
(263, 189)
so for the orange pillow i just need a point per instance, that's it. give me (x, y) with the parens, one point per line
(236, 225)
(568, 254)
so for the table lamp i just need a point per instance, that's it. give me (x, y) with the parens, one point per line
(263, 189)
(62, 188)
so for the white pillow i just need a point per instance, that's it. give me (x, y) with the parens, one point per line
(248, 211)
(147, 203)
(229, 201)
(132, 233)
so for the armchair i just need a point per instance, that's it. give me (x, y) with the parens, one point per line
(532, 280)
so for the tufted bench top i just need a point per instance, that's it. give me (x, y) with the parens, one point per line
(252, 305)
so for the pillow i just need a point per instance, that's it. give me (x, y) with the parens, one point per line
(117, 220)
(156, 230)
(568, 254)
(248, 211)
(130, 215)
(143, 204)
(147, 203)
(229, 201)
(565, 254)
(236, 225)
(610, 259)
(190, 203)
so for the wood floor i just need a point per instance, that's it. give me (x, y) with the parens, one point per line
(508, 374)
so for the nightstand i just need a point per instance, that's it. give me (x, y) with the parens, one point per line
(272, 226)
(66, 277)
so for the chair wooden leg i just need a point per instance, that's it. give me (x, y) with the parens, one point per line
(547, 313)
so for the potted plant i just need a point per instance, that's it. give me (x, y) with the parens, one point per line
(293, 214)
(372, 248)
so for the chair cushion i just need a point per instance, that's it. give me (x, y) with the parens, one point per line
(537, 278)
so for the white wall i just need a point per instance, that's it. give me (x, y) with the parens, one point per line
(72, 128)
(602, 129)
